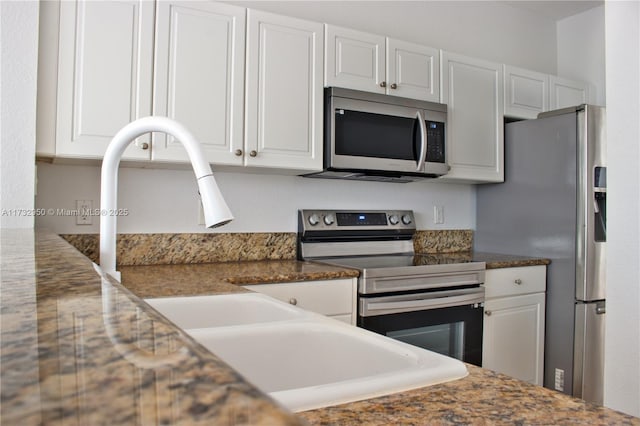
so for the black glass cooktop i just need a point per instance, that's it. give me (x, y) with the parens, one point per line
(398, 261)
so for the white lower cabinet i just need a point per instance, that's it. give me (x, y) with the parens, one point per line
(333, 298)
(513, 337)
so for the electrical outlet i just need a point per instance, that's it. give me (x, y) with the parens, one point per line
(83, 212)
(438, 215)
(559, 384)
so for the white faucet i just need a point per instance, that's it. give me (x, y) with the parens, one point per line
(216, 211)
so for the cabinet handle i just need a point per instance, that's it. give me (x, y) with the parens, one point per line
(394, 86)
(518, 281)
(238, 152)
(253, 153)
(383, 84)
(488, 313)
(144, 145)
(293, 301)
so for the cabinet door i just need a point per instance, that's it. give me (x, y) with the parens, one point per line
(413, 70)
(354, 60)
(199, 77)
(473, 92)
(105, 62)
(526, 93)
(284, 92)
(567, 93)
(334, 298)
(502, 282)
(513, 336)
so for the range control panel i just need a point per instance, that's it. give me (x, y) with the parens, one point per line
(349, 220)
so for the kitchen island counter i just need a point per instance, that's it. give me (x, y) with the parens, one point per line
(78, 348)
(482, 398)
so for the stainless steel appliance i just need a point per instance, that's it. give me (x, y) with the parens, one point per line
(429, 301)
(369, 136)
(553, 204)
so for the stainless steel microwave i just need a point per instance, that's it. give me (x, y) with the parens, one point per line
(369, 136)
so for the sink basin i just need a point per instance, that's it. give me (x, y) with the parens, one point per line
(303, 359)
(318, 362)
(224, 310)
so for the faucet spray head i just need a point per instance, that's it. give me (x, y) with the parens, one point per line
(216, 211)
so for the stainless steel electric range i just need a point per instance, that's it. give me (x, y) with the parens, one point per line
(434, 302)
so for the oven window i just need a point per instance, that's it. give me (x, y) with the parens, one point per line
(453, 331)
(446, 339)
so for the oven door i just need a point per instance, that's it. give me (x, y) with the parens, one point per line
(448, 322)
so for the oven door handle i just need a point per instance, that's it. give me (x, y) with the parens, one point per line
(422, 303)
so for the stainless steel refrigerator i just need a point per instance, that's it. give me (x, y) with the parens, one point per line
(553, 205)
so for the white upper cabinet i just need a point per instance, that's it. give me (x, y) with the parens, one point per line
(473, 92)
(526, 93)
(284, 97)
(354, 59)
(105, 62)
(374, 63)
(199, 78)
(567, 93)
(413, 70)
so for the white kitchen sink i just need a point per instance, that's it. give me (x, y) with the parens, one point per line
(224, 310)
(302, 359)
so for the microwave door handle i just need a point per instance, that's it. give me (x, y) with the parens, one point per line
(423, 141)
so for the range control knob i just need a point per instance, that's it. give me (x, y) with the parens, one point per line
(329, 219)
(406, 219)
(393, 219)
(314, 219)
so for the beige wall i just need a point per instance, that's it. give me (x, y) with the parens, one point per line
(622, 346)
(19, 40)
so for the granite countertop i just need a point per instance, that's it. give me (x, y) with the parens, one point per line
(228, 277)
(482, 398)
(497, 260)
(78, 348)
(223, 277)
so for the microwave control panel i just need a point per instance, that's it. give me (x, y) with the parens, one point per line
(435, 142)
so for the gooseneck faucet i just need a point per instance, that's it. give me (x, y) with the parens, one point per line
(216, 211)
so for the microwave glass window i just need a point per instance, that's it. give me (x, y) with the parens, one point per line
(364, 134)
(375, 135)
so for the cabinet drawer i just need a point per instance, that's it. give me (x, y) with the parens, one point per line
(515, 281)
(331, 297)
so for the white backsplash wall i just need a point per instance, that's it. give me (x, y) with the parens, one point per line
(166, 201)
